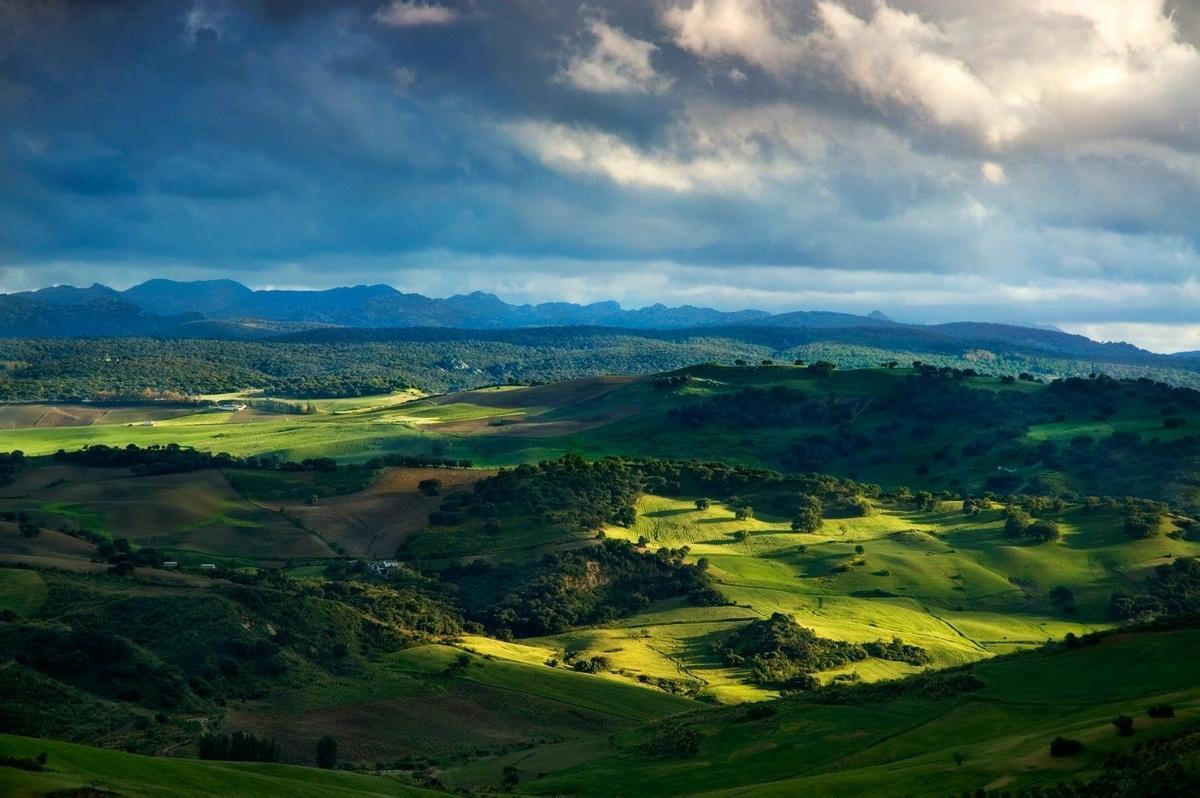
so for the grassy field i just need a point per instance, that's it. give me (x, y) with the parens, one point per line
(467, 707)
(631, 416)
(75, 767)
(187, 516)
(907, 745)
(602, 694)
(952, 584)
(21, 591)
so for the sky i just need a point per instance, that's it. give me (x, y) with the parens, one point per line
(1030, 161)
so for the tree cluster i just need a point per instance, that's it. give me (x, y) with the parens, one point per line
(782, 653)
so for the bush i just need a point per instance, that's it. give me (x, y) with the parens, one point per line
(1124, 725)
(1161, 711)
(673, 740)
(1062, 746)
(238, 747)
(760, 711)
(327, 752)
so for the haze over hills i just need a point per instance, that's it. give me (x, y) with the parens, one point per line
(228, 310)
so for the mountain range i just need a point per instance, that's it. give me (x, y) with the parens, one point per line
(229, 310)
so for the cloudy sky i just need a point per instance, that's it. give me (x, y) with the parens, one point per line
(1014, 160)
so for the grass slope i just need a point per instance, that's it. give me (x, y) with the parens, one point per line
(73, 767)
(952, 584)
(906, 744)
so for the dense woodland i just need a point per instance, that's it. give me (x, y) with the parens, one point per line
(939, 419)
(356, 363)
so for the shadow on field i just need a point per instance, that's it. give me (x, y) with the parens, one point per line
(668, 513)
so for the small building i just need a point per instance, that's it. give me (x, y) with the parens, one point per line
(385, 566)
(170, 564)
(208, 566)
(233, 407)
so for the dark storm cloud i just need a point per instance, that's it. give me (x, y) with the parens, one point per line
(1032, 160)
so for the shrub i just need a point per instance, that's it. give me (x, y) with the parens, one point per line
(673, 740)
(1063, 746)
(1161, 711)
(1124, 725)
(327, 752)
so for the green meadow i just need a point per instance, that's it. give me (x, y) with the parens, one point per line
(418, 691)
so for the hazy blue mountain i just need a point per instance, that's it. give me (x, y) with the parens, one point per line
(70, 295)
(168, 297)
(228, 309)
(21, 317)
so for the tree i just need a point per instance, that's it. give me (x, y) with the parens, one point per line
(1043, 530)
(860, 507)
(29, 529)
(798, 362)
(1063, 746)
(767, 362)
(1062, 596)
(1124, 725)
(491, 525)
(1015, 521)
(430, 487)
(1161, 711)
(822, 368)
(510, 777)
(327, 752)
(808, 514)
(744, 512)
(703, 504)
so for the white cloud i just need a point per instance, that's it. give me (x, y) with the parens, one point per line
(411, 14)
(993, 172)
(589, 151)
(1166, 338)
(616, 63)
(755, 31)
(593, 152)
(403, 78)
(202, 20)
(1008, 74)
(899, 58)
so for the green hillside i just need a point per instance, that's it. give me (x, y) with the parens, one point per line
(594, 618)
(928, 428)
(82, 770)
(999, 717)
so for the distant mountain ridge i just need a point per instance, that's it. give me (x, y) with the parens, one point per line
(226, 309)
(381, 306)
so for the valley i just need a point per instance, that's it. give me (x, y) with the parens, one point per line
(520, 542)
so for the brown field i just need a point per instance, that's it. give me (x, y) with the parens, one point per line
(374, 522)
(465, 717)
(34, 481)
(556, 395)
(53, 549)
(25, 416)
(197, 511)
(536, 425)
(50, 543)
